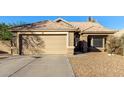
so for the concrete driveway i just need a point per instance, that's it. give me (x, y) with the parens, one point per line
(28, 66)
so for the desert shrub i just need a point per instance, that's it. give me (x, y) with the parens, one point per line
(115, 45)
(122, 44)
(119, 51)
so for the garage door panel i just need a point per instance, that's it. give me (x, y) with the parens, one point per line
(44, 44)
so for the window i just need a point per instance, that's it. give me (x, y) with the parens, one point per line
(98, 42)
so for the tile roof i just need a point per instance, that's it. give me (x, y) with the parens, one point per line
(90, 26)
(61, 24)
(43, 25)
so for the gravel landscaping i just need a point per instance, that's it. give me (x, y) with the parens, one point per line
(97, 64)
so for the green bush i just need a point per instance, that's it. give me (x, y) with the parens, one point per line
(5, 34)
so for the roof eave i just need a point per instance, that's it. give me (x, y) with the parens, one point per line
(44, 30)
(98, 32)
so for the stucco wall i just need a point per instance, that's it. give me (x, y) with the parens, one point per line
(5, 47)
(69, 39)
(70, 43)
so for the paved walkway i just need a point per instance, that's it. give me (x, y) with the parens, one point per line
(26, 66)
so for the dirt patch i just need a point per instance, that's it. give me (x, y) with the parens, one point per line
(97, 65)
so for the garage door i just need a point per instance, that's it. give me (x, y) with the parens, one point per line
(43, 44)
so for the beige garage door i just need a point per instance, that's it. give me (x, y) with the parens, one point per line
(44, 44)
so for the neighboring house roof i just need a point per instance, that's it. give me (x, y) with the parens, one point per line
(119, 33)
(43, 25)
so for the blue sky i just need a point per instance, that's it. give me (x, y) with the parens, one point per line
(113, 22)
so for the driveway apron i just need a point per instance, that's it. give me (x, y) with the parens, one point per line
(46, 66)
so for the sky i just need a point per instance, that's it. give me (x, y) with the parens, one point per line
(112, 22)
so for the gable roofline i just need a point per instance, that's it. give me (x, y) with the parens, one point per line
(63, 20)
(79, 29)
(60, 19)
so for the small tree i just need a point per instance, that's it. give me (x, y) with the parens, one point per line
(5, 34)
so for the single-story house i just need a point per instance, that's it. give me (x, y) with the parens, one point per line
(60, 37)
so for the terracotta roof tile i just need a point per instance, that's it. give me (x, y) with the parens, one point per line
(61, 24)
(90, 26)
(43, 25)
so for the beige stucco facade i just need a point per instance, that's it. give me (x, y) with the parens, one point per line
(5, 47)
(52, 43)
(57, 42)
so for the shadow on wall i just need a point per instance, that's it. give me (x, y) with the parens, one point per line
(31, 44)
(3, 52)
(79, 47)
(5, 47)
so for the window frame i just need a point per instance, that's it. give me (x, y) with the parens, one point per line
(99, 45)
